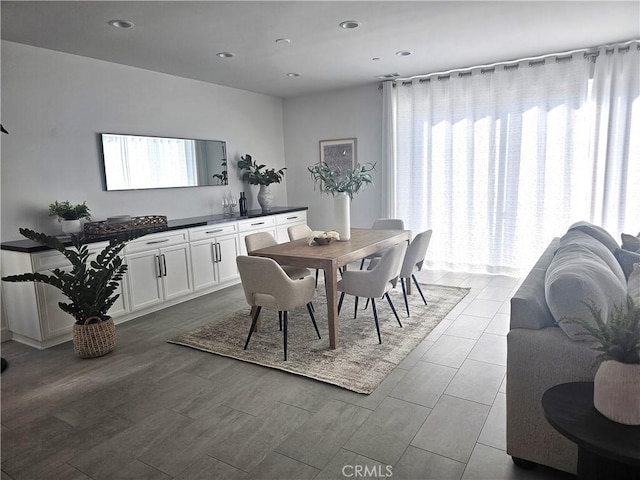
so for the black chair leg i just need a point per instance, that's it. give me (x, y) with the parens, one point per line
(404, 293)
(366, 305)
(280, 319)
(315, 325)
(312, 307)
(256, 313)
(284, 335)
(375, 317)
(362, 264)
(419, 289)
(355, 310)
(317, 271)
(340, 302)
(393, 309)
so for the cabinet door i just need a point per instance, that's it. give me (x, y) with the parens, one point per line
(228, 248)
(54, 322)
(176, 266)
(203, 264)
(143, 277)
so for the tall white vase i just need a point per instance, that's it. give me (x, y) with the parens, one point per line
(342, 215)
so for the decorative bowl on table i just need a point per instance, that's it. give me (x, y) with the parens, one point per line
(323, 238)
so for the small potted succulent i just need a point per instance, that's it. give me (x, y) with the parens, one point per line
(617, 380)
(258, 174)
(70, 215)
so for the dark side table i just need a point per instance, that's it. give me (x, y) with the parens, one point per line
(606, 449)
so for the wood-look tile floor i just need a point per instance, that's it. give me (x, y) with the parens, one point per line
(153, 410)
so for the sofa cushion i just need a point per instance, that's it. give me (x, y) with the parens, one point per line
(574, 236)
(631, 243)
(596, 232)
(633, 287)
(577, 277)
(528, 306)
(626, 259)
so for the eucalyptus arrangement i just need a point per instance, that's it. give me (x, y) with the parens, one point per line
(333, 181)
(258, 174)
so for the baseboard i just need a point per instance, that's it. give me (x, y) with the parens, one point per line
(5, 335)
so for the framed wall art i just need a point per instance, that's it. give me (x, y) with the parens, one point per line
(340, 154)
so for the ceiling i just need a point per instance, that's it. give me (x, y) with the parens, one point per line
(182, 37)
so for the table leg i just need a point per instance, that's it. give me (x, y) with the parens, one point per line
(331, 287)
(595, 467)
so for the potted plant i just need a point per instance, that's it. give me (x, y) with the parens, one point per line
(69, 215)
(617, 380)
(342, 186)
(258, 174)
(90, 286)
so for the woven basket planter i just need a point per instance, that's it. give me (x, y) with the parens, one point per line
(93, 340)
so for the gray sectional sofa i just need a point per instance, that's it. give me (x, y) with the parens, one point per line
(581, 266)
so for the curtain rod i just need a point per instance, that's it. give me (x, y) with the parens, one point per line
(533, 61)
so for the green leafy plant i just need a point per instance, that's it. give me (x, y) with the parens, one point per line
(66, 211)
(90, 285)
(332, 181)
(618, 337)
(258, 174)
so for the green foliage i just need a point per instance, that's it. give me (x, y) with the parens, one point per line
(619, 337)
(90, 285)
(259, 174)
(67, 211)
(335, 181)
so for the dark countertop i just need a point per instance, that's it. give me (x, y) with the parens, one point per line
(29, 246)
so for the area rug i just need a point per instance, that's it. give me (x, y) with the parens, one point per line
(359, 363)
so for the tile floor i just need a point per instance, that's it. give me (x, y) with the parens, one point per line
(151, 410)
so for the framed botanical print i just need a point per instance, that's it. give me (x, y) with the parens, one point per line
(339, 155)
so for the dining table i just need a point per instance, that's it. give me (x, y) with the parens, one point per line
(332, 257)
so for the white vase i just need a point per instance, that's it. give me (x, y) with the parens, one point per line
(265, 198)
(342, 215)
(71, 226)
(616, 392)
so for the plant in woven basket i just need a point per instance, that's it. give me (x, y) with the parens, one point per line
(91, 283)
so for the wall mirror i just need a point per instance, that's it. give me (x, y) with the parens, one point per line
(133, 162)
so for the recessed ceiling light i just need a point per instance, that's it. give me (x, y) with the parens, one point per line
(404, 53)
(225, 54)
(283, 41)
(121, 23)
(349, 24)
(293, 74)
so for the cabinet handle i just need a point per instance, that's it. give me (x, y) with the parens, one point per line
(214, 251)
(258, 223)
(158, 266)
(292, 218)
(219, 252)
(213, 231)
(157, 241)
(164, 265)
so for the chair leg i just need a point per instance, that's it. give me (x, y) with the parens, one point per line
(256, 313)
(317, 271)
(312, 307)
(375, 317)
(419, 289)
(315, 325)
(393, 309)
(280, 319)
(284, 335)
(340, 302)
(355, 310)
(404, 293)
(362, 264)
(366, 305)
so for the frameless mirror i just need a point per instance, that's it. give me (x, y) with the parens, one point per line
(134, 162)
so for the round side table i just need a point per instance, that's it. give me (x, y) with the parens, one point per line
(606, 449)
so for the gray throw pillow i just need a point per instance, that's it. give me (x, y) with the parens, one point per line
(626, 259)
(631, 243)
(575, 278)
(633, 286)
(596, 232)
(578, 237)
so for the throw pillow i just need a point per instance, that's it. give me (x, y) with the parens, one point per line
(578, 237)
(626, 259)
(631, 243)
(576, 277)
(633, 287)
(596, 232)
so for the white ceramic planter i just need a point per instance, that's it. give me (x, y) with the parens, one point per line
(616, 392)
(71, 226)
(342, 215)
(265, 198)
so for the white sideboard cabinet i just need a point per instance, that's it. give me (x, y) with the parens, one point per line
(164, 269)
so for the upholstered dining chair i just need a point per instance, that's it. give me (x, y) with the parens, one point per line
(266, 284)
(259, 240)
(375, 282)
(413, 261)
(383, 224)
(296, 232)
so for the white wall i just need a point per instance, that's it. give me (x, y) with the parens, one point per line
(54, 105)
(354, 112)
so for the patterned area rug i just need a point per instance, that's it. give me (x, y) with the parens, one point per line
(359, 363)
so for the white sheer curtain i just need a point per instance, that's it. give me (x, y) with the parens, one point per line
(498, 162)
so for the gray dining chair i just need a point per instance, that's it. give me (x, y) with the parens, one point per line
(413, 262)
(256, 241)
(266, 284)
(375, 282)
(383, 224)
(297, 232)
